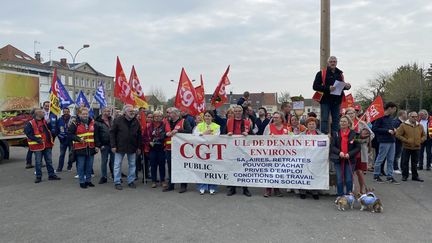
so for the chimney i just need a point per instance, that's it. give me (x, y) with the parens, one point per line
(38, 56)
(63, 62)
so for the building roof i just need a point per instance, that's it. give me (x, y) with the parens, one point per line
(73, 66)
(10, 53)
(311, 102)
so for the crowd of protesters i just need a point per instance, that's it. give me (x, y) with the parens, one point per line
(356, 147)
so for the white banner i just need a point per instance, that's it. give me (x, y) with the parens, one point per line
(297, 162)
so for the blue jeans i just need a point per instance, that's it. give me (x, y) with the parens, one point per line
(105, 153)
(326, 110)
(63, 148)
(118, 157)
(386, 151)
(84, 167)
(157, 160)
(47, 155)
(29, 157)
(207, 187)
(347, 178)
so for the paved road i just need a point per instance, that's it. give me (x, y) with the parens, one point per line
(59, 211)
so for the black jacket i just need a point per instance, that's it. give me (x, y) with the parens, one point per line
(380, 127)
(125, 135)
(102, 132)
(331, 77)
(261, 125)
(335, 147)
(187, 128)
(72, 135)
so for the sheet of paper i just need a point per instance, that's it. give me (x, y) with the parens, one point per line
(340, 85)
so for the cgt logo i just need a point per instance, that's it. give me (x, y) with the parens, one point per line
(202, 151)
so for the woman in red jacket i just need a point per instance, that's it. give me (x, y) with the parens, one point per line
(276, 127)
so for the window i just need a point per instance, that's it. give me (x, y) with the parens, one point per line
(18, 56)
(108, 85)
(70, 81)
(87, 83)
(27, 58)
(93, 83)
(77, 83)
(63, 79)
(82, 82)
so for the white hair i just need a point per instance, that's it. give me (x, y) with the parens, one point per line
(331, 58)
(125, 107)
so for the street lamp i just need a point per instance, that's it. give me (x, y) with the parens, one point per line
(73, 61)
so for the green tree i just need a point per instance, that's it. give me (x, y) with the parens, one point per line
(405, 86)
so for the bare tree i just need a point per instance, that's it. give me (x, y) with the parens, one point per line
(375, 87)
(284, 96)
(158, 92)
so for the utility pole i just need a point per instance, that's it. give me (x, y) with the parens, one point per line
(421, 89)
(325, 33)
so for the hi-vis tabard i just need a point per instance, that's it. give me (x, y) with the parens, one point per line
(178, 126)
(33, 145)
(202, 127)
(86, 134)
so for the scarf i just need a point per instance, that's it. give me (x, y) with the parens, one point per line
(344, 149)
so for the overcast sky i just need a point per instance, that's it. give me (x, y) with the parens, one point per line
(272, 45)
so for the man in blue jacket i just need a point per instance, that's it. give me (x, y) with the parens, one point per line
(65, 143)
(385, 134)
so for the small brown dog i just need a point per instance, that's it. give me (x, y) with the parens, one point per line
(345, 201)
(370, 202)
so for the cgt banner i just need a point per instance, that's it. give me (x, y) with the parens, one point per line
(297, 162)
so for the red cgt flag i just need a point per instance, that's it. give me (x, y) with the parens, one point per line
(137, 91)
(200, 95)
(219, 96)
(186, 96)
(122, 89)
(375, 110)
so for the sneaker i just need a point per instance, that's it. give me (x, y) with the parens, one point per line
(378, 179)
(212, 192)
(202, 192)
(132, 185)
(410, 172)
(76, 177)
(397, 172)
(428, 168)
(54, 178)
(29, 166)
(404, 179)
(89, 184)
(83, 185)
(391, 180)
(38, 180)
(418, 179)
(103, 180)
(118, 187)
(153, 185)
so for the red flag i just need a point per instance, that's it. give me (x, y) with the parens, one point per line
(137, 91)
(55, 106)
(143, 122)
(122, 89)
(347, 102)
(186, 95)
(375, 110)
(200, 95)
(219, 96)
